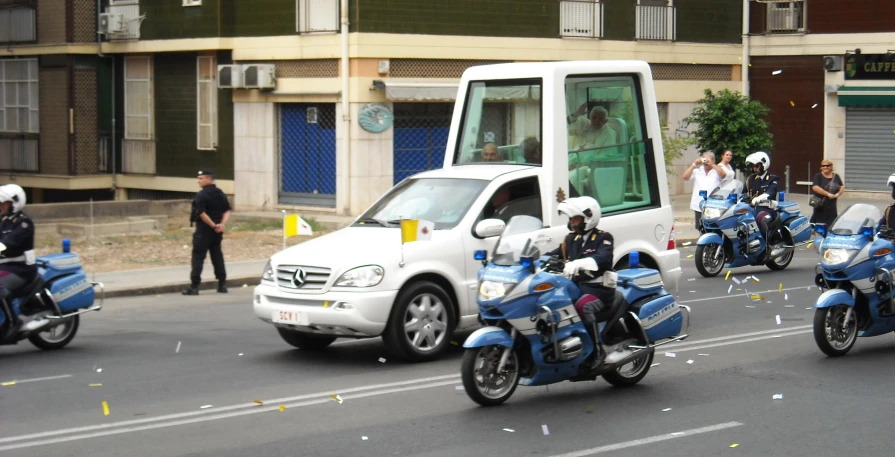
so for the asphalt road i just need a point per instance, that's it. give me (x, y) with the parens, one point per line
(741, 357)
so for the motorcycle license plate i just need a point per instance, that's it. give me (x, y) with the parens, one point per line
(282, 316)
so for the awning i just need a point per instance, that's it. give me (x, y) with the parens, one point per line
(867, 97)
(418, 90)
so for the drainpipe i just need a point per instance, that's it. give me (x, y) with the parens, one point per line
(99, 37)
(745, 48)
(345, 195)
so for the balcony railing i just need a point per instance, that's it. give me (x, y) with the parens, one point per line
(786, 17)
(580, 18)
(18, 154)
(656, 23)
(17, 25)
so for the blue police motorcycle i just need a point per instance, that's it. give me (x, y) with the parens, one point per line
(533, 336)
(733, 238)
(60, 293)
(856, 273)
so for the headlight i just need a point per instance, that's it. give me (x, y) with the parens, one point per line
(268, 273)
(489, 290)
(711, 213)
(837, 256)
(366, 276)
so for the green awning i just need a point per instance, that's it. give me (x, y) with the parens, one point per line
(867, 97)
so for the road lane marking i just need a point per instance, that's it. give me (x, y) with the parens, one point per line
(741, 335)
(453, 379)
(650, 440)
(748, 340)
(46, 378)
(207, 418)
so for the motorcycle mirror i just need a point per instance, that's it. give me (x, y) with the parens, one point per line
(866, 231)
(820, 228)
(732, 197)
(703, 194)
(480, 254)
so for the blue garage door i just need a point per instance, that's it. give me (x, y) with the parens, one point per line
(421, 133)
(308, 154)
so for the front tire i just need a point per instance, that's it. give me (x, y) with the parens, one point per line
(706, 263)
(421, 324)
(833, 335)
(480, 378)
(57, 337)
(306, 341)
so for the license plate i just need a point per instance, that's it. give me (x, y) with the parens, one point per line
(282, 316)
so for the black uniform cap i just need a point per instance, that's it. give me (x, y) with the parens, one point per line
(205, 172)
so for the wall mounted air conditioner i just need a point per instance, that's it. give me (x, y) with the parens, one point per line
(230, 77)
(259, 76)
(833, 63)
(112, 23)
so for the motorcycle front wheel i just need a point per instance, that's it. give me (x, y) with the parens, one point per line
(482, 382)
(833, 335)
(708, 264)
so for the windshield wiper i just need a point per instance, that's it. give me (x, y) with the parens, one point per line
(374, 220)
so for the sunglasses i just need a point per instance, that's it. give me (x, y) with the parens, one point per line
(826, 165)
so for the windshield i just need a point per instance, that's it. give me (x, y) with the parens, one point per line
(854, 217)
(515, 241)
(501, 123)
(443, 201)
(731, 187)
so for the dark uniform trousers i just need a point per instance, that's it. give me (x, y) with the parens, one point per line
(205, 240)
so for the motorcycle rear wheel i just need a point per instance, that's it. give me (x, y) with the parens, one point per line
(781, 262)
(714, 266)
(480, 378)
(834, 342)
(631, 373)
(57, 337)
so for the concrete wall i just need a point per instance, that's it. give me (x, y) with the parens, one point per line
(371, 164)
(255, 156)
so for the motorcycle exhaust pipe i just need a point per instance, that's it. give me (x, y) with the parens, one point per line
(636, 355)
(81, 311)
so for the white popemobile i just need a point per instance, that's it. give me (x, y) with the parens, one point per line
(362, 282)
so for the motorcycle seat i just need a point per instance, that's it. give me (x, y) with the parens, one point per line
(28, 289)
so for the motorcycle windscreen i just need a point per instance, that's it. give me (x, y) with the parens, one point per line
(661, 318)
(72, 292)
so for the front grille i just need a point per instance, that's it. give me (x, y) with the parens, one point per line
(315, 277)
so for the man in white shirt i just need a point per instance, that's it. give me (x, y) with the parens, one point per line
(705, 177)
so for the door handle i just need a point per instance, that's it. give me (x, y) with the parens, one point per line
(544, 239)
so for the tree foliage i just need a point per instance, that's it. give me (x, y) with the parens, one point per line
(674, 147)
(731, 120)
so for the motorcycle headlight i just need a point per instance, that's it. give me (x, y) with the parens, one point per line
(489, 290)
(837, 256)
(366, 276)
(711, 213)
(268, 275)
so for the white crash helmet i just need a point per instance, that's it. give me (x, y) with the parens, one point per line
(15, 194)
(760, 158)
(582, 206)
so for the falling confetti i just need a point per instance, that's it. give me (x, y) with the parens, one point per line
(459, 388)
(690, 362)
(691, 279)
(809, 244)
(755, 278)
(282, 408)
(776, 72)
(786, 296)
(654, 365)
(814, 106)
(736, 280)
(177, 351)
(99, 370)
(727, 276)
(751, 306)
(545, 430)
(686, 243)
(666, 410)
(703, 355)
(509, 430)
(259, 402)
(364, 438)
(206, 406)
(729, 288)
(778, 396)
(10, 383)
(690, 256)
(789, 306)
(382, 360)
(670, 354)
(692, 291)
(734, 445)
(336, 398)
(781, 287)
(105, 409)
(778, 320)
(240, 354)
(95, 385)
(245, 285)
(792, 103)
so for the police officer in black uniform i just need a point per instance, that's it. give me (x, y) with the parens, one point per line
(588, 253)
(17, 260)
(762, 187)
(211, 210)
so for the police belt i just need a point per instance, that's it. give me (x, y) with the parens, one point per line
(20, 258)
(598, 281)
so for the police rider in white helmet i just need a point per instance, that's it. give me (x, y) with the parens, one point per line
(17, 260)
(762, 187)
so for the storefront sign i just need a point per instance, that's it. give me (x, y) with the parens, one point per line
(870, 66)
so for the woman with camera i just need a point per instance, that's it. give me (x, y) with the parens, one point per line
(826, 189)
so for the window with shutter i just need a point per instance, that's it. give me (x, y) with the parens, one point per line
(138, 98)
(207, 103)
(317, 16)
(18, 96)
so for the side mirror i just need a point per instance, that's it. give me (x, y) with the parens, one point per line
(703, 194)
(820, 228)
(489, 227)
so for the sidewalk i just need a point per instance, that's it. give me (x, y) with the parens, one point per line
(175, 279)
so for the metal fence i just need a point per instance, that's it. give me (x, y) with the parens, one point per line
(308, 154)
(580, 18)
(421, 133)
(656, 23)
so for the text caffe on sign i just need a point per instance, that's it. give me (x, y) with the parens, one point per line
(869, 66)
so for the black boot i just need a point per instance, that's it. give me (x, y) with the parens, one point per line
(599, 354)
(222, 287)
(190, 291)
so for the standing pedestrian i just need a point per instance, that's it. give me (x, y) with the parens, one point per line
(211, 210)
(705, 177)
(725, 168)
(826, 188)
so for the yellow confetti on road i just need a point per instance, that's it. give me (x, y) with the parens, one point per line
(10, 383)
(734, 445)
(336, 398)
(809, 244)
(455, 343)
(105, 409)
(259, 402)
(727, 276)
(690, 256)
(282, 408)
(781, 287)
(95, 385)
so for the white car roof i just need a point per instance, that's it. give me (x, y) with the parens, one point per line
(543, 69)
(485, 172)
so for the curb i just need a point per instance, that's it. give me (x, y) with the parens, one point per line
(176, 288)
